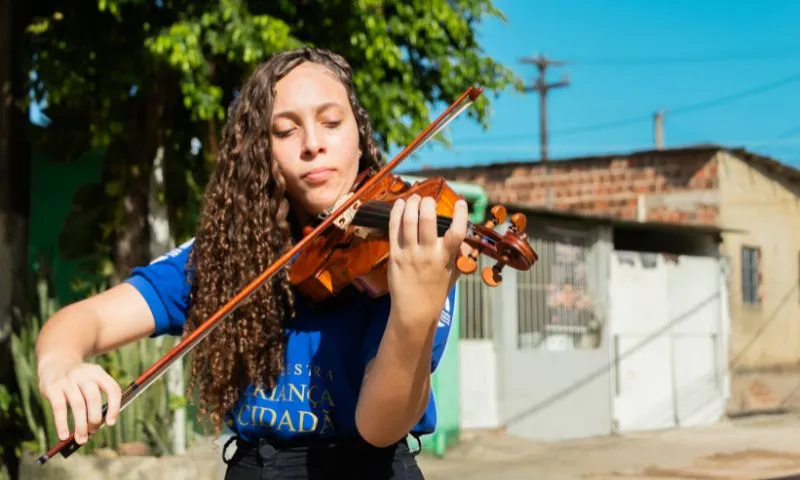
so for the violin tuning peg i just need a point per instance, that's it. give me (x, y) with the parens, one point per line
(492, 276)
(498, 214)
(466, 264)
(519, 222)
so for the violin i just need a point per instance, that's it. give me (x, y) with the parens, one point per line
(349, 246)
(355, 249)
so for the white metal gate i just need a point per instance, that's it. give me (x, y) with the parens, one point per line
(552, 343)
(668, 326)
(478, 380)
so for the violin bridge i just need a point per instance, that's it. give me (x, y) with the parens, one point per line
(346, 218)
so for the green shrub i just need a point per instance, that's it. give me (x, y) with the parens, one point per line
(147, 419)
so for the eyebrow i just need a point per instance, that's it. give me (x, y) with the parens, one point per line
(320, 108)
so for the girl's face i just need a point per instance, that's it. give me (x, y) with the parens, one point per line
(314, 138)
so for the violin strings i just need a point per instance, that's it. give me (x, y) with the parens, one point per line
(376, 214)
(382, 210)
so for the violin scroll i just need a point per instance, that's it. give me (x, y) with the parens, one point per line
(510, 248)
(468, 264)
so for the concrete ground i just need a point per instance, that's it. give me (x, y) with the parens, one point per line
(763, 447)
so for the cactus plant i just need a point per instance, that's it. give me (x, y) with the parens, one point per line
(38, 418)
(146, 420)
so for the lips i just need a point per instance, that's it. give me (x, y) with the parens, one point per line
(318, 175)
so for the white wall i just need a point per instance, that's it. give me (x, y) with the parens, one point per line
(669, 333)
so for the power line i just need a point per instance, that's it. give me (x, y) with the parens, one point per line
(525, 147)
(603, 125)
(794, 131)
(648, 118)
(686, 59)
(736, 96)
(787, 137)
(686, 108)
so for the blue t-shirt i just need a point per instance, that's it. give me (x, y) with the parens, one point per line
(327, 349)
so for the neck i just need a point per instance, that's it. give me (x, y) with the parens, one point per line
(301, 217)
(298, 219)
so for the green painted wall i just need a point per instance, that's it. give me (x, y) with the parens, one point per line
(447, 391)
(53, 187)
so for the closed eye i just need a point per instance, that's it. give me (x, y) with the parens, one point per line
(282, 133)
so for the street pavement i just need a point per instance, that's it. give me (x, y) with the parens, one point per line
(761, 447)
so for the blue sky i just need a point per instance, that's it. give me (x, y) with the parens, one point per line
(628, 59)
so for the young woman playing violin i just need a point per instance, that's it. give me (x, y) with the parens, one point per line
(310, 389)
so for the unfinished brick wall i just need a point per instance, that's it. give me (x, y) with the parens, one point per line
(672, 186)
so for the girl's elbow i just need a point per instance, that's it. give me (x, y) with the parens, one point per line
(376, 433)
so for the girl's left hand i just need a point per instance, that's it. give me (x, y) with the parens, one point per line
(422, 264)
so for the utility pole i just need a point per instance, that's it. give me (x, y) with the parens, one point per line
(658, 129)
(543, 87)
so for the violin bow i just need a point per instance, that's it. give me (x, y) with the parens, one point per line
(68, 446)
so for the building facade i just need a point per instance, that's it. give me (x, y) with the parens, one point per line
(619, 326)
(754, 202)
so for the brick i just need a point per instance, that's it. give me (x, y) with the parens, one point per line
(607, 186)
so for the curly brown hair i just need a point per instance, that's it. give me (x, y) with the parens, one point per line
(244, 227)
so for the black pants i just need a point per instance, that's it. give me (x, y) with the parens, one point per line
(341, 459)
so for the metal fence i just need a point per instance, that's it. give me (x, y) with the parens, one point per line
(554, 306)
(476, 305)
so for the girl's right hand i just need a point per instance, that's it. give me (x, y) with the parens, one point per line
(78, 384)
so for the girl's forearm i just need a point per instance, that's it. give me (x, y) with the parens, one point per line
(396, 386)
(69, 334)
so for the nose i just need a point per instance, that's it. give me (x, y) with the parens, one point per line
(313, 144)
